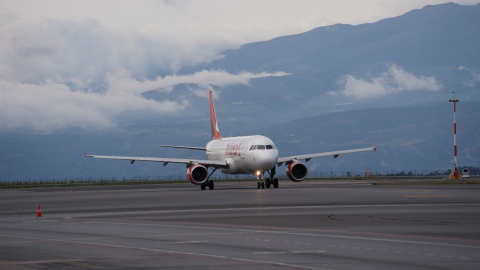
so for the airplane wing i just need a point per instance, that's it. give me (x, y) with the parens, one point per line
(185, 147)
(210, 163)
(335, 154)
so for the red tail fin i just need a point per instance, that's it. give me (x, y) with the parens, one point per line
(213, 120)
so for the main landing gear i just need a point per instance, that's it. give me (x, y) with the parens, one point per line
(269, 181)
(208, 183)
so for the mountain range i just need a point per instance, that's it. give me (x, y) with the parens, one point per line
(413, 62)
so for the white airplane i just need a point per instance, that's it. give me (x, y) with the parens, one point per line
(238, 155)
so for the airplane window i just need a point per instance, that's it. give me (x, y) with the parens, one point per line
(253, 147)
(269, 147)
(261, 147)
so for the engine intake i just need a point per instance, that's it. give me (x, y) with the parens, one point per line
(197, 174)
(297, 171)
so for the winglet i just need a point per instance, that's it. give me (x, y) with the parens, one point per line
(213, 120)
(85, 155)
(374, 148)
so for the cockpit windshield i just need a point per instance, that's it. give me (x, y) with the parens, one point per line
(262, 147)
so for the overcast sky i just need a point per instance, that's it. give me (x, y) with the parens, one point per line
(84, 62)
(241, 21)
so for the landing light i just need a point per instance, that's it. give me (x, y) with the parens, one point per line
(258, 173)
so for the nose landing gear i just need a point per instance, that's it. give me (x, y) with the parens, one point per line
(260, 183)
(268, 181)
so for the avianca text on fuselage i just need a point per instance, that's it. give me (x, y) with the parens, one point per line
(239, 155)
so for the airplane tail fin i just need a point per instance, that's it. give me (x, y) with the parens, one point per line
(213, 120)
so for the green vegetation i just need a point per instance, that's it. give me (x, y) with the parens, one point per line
(380, 180)
(408, 183)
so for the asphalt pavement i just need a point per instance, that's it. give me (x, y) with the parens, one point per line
(308, 225)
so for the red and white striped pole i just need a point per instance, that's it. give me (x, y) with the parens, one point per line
(454, 100)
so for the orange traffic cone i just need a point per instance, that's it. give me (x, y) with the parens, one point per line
(39, 211)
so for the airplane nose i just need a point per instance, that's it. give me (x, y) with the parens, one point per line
(267, 161)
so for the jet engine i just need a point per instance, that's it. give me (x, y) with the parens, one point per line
(197, 174)
(297, 171)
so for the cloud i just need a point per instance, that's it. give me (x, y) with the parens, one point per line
(396, 79)
(475, 77)
(84, 52)
(56, 73)
(204, 77)
(51, 105)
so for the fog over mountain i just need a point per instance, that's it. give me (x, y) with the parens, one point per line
(387, 81)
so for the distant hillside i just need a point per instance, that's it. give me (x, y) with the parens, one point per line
(434, 41)
(407, 138)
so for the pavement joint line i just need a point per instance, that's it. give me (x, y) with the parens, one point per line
(267, 208)
(171, 252)
(305, 234)
(41, 261)
(126, 237)
(155, 235)
(367, 249)
(331, 236)
(294, 230)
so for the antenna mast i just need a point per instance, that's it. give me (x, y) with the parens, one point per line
(454, 100)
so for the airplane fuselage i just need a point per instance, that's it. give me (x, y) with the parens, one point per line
(244, 155)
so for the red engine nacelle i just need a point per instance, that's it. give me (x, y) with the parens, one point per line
(297, 171)
(197, 174)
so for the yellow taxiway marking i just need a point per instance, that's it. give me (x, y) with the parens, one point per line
(424, 196)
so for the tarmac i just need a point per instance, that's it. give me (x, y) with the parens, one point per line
(307, 225)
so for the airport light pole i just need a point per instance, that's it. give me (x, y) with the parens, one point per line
(454, 100)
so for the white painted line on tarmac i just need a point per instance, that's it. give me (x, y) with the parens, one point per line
(169, 251)
(187, 242)
(308, 251)
(295, 233)
(269, 208)
(306, 234)
(286, 252)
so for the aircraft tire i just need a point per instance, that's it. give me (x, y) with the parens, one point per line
(275, 183)
(263, 185)
(267, 183)
(210, 185)
(203, 186)
(258, 185)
